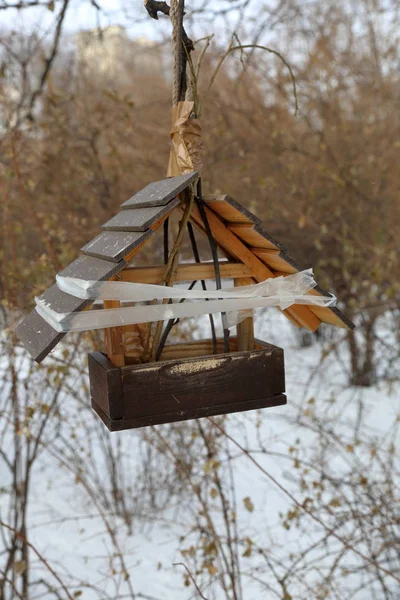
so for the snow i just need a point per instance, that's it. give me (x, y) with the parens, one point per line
(69, 515)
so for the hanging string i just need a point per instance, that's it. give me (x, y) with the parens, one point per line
(179, 83)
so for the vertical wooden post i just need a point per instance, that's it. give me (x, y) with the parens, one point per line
(113, 339)
(245, 329)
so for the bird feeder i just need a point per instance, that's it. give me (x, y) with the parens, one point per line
(188, 380)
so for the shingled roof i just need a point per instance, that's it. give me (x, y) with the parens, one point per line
(236, 231)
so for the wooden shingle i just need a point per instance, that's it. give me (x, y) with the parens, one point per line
(231, 211)
(255, 236)
(115, 245)
(277, 260)
(139, 219)
(161, 192)
(38, 337)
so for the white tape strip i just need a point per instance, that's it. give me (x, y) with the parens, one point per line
(281, 291)
(285, 287)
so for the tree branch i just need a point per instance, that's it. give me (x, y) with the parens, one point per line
(18, 535)
(49, 61)
(198, 590)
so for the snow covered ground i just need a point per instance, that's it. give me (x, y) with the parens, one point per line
(64, 520)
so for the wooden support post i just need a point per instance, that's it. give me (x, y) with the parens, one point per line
(245, 329)
(113, 339)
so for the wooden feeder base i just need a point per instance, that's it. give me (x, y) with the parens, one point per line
(181, 388)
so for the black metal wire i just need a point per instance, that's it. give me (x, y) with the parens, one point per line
(214, 254)
(166, 240)
(171, 323)
(203, 283)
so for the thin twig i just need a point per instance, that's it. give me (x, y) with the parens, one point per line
(11, 584)
(21, 5)
(49, 61)
(198, 590)
(302, 507)
(39, 555)
(232, 48)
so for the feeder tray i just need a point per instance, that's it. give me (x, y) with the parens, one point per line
(177, 389)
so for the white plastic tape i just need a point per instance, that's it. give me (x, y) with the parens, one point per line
(279, 291)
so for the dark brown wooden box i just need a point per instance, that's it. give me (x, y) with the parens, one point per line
(186, 388)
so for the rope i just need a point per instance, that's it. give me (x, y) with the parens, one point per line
(179, 73)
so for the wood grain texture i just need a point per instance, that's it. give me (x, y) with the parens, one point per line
(232, 244)
(176, 390)
(106, 385)
(230, 211)
(185, 415)
(115, 245)
(278, 261)
(139, 219)
(113, 338)
(332, 316)
(185, 272)
(238, 234)
(176, 385)
(196, 349)
(159, 193)
(253, 235)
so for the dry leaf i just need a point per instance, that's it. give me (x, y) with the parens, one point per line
(248, 504)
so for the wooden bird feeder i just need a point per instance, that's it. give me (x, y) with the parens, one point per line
(139, 380)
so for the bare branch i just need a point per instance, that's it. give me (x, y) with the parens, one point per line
(198, 590)
(22, 5)
(49, 61)
(40, 557)
(303, 507)
(241, 47)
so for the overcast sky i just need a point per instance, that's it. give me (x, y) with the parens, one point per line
(81, 15)
(130, 13)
